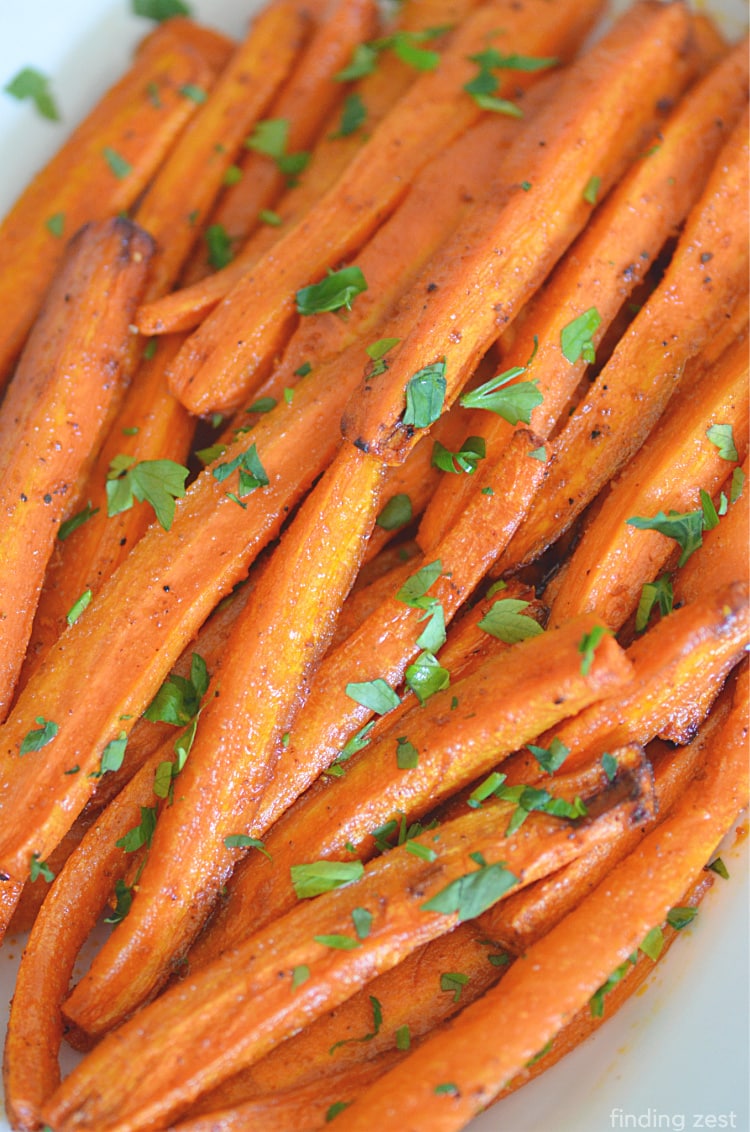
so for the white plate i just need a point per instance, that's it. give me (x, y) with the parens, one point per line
(674, 1058)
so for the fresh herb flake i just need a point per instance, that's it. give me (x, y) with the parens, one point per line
(722, 437)
(465, 460)
(425, 395)
(119, 166)
(159, 9)
(323, 876)
(470, 895)
(588, 645)
(506, 621)
(396, 513)
(550, 758)
(376, 695)
(576, 339)
(157, 482)
(353, 115)
(244, 841)
(685, 528)
(407, 755)
(453, 983)
(219, 246)
(591, 192)
(55, 224)
(426, 676)
(679, 917)
(38, 737)
(31, 84)
(337, 290)
(656, 594)
(78, 607)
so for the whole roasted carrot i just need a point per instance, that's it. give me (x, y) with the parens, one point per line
(631, 391)
(260, 682)
(303, 103)
(502, 248)
(620, 242)
(614, 559)
(457, 1073)
(31, 1071)
(77, 380)
(217, 365)
(460, 734)
(100, 171)
(175, 1063)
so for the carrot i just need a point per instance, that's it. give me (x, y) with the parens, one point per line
(150, 425)
(255, 316)
(78, 185)
(31, 1071)
(680, 666)
(76, 364)
(630, 393)
(10, 894)
(563, 970)
(614, 559)
(195, 168)
(508, 701)
(261, 681)
(175, 1063)
(304, 103)
(502, 248)
(723, 557)
(612, 254)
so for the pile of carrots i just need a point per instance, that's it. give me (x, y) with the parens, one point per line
(373, 557)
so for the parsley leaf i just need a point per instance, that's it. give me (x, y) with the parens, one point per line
(178, 699)
(738, 483)
(659, 594)
(244, 841)
(113, 754)
(123, 901)
(269, 137)
(300, 975)
(473, 893)
(78, 607)
(336, 1108)
(252, 474)
(157, 482)
(596, 1002)
(337, 290)
(376, 695)
(679, 918)
(453, 982)
(141, 834)
(588, 645)
(609, 766)
(396, 513)
(219, 246)
(363, 62)
(407, 755)
(38, 737)
(426, 676)
(377, 351)
(487, 789)
(722, 437)
(425, 395)
(513, 402)
(322, 876)
(377, 1022)
(119, 166)
(353, 115)
(362, 920)
(466, 459)
(159, 9)
(506, 621)
(576, 339)
(55, 224)
(551, 758)
(31, 84)
(38, 869)
(591, 192)
(686, 529)
(337, 942)
(403, 1038)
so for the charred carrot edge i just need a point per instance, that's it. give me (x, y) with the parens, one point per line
(209, 374)
(150, 425)
(596, 578)
(546, 156)
(194, 170)
(533, 686)
(31, 1071)
(379, 91)
(680, 665)
(723, 557)
(262, 677)
(51, 440)
(615, 249)
(175, 1064)
(564, 969)
(79, 186)
(305, 101)
(607, 428)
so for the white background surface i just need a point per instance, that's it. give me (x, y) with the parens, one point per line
(679, 1050)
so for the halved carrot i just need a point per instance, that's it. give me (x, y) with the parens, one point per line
(10, 894)
(723, 557)
(98, 172)
(680, 666)
(614, 251)
(614, 559)
(458, 735)
(256, 692)
(225, 357)
(706, 276)
(52, 436)
(248, 1003)
(502, 248)
(304, 103)
(194, 170)
(458, 1072)
(75, 902)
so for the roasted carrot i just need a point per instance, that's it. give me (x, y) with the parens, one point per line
(100, 171)
(30, 1070)
(680, 666)
(503, 250)
(176, 1064)
(52, 435)
(210, 374)
(10, 894)
(620, 242)
(678, 461)
(723, 557)
(195, 168)
(630, 393)
(460, 734)
(303, 103)
(563, 970)
(215, 47)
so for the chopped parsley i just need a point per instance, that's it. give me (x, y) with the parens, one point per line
(396, 513)
(323, 876)
(178, 700)
(404, 44)
(679, 917)
(473, 893)
(353, 115)
(270, 137)
(657, 594)
(576, 339)
(218, 245)
(38, 869)
(55, 224)
(609, 766)
(252, 474)
(362, 920)
(425, 395)
(269, 217)
(376, 695)
(159, 9)
(377, 351)
(722, 437)
(244, 841)
(466, 459)
(113, 754)
(337, 290)
(157, 482)
(453, 982)
(197, 95)
(300, 975)
(403, 1038)
(513, 402)
(123, 901)
(337, 942)
(685, 528)
(38, 737)
(507, 622)
(119, 166)
(426, 676)
(591, 192)
(335, 1109)
(141, 834)
(377, 1022)
(78, 607)
(551, 758)
(407, 755)
(588, 645)
(31, 84)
